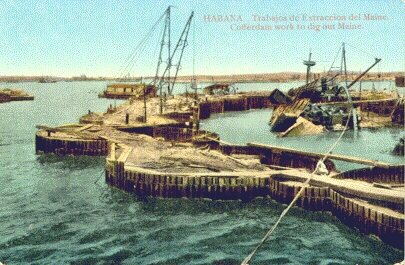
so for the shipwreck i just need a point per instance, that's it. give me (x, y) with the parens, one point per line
(323, 104)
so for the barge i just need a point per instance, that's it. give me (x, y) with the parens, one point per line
(7, 95)
(128, 90)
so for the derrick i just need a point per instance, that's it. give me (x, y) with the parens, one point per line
(165, 80)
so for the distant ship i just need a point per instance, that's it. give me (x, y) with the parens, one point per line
(46, 80)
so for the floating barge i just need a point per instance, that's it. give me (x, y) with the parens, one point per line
(128, 90)
(7, 95)
(166, 155)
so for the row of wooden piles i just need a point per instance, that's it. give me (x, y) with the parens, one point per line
(76, 147)
(392, 175)
(233, 104)
(99, 147)
(390, 229)
(366, 218)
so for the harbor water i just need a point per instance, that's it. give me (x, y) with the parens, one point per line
(59, 210)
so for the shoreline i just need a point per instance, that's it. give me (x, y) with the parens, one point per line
(233, 78)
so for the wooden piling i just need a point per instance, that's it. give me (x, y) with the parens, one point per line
(388, 227)
(45, 144)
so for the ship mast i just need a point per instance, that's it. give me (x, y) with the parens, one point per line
(309, 64)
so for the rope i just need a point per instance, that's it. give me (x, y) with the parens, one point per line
(101, 174)
(337, 54)
(360, 50)
(139, 49)
(247, 259)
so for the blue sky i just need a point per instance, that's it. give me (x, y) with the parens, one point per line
(95, 38)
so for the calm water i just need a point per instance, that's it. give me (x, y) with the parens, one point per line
(59, 210)
(252, 126)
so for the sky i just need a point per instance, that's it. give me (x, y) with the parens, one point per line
(98, 38)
